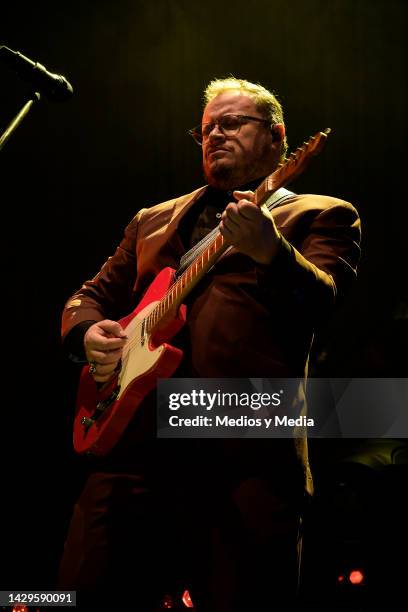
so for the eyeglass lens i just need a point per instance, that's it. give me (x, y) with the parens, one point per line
(228, 124)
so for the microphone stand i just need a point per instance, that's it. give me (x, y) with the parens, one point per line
(18, 119)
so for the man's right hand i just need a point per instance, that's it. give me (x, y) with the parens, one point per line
(104, 342)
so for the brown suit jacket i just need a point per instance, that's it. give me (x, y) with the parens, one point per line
(244, 320)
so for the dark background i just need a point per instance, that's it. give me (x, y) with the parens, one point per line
(74, 174)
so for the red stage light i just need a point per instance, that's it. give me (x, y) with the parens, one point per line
(168, 602)
(186, 599)
(356, 577)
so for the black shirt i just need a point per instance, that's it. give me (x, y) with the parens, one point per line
(205, 214)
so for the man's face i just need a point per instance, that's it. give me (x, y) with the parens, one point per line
(232, 161)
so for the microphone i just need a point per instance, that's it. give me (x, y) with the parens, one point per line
(54, 86)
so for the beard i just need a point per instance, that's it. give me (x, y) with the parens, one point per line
(220, 176)
(228, 174)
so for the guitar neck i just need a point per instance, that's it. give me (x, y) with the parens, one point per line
(180, 289)
(200, 265)
(285, 172)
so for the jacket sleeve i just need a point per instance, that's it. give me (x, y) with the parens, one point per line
(109, 295)
(316, 272)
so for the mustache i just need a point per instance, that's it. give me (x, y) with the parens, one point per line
(214, 149)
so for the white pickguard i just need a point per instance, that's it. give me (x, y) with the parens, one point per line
(137, 359)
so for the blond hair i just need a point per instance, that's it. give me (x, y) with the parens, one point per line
(265, 100)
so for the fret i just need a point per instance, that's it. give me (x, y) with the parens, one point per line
(285, 172)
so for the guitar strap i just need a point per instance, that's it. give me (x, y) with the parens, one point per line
(278, 197)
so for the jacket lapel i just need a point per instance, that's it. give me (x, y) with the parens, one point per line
(181, 206)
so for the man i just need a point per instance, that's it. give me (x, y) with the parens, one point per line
(237, 504)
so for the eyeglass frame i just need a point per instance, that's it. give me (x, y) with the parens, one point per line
(197, 131)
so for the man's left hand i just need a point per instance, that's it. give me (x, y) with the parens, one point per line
(251, 230)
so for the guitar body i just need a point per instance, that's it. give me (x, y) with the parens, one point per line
(103, 413)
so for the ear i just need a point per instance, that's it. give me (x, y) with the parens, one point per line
(278, 132)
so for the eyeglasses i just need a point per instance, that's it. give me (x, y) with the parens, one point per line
(228, 124)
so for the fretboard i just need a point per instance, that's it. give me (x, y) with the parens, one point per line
(285, 172)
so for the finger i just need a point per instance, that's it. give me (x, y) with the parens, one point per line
(231, 209)
(111, 344)
(101, 373)
(236, 205)
(96, 338)
(100, 343)
(112, 327)
(232, 216)
(231, 226)
(104, 358)
(226, 232)
(241, 195)
(243, 208)
(248, 210)
(105, 369)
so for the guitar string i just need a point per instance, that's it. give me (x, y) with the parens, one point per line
(135, 341)
(171, 290)
(293, 159)
(179, 281)
(211, 243)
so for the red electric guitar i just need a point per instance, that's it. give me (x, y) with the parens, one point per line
(103, 412)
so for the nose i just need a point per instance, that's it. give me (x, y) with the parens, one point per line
(216, 132)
